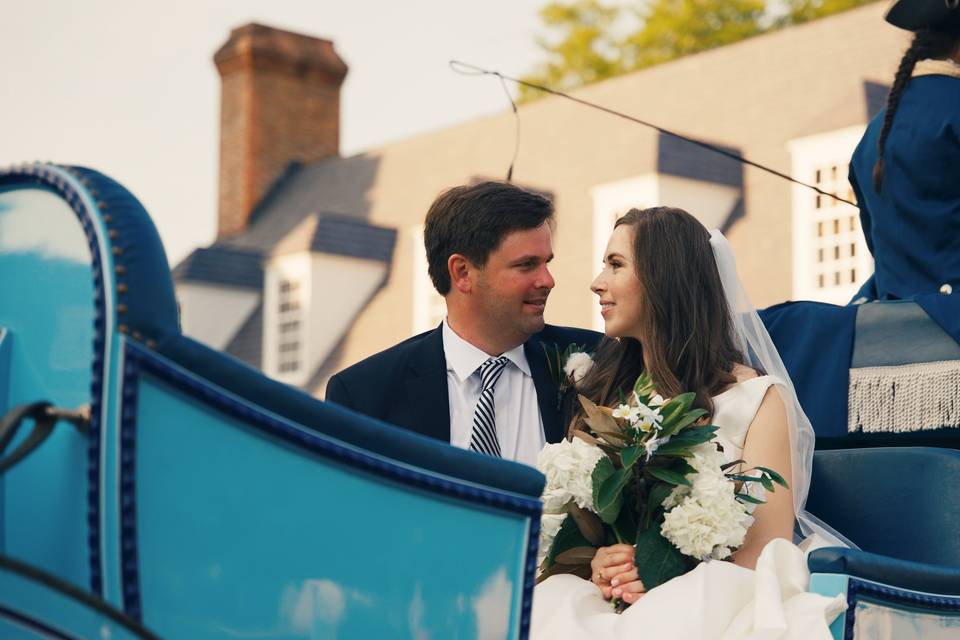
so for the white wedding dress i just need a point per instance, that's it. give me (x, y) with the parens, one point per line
(717, 600)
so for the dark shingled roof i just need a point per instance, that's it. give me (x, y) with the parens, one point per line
(343, 236)
(247, 344)
(222, 265)
(678, 157)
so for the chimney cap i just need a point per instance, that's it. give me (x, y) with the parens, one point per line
(260, 45)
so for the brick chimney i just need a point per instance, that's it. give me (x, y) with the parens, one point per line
(280, 103)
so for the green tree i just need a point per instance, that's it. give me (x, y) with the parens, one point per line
(675, 28)
(585, 46)
(585, 50)
(805, 10)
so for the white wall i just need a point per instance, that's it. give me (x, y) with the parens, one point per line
(213, 314)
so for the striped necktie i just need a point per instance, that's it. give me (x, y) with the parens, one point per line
(484, 436)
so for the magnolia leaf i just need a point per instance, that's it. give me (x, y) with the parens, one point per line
(615, 439)
(586, 437)
(658, 493)
(669, 475)
(609, 498)
(742, 497)
(576, 555)
(589, 525)
(685, 421)
(776, 477)
(582, 570)
(742, 478)
(568, 537)
(644, 386)
(767, 484)
(597, 419)
(631, 454)
(724, 467)
(657, 559)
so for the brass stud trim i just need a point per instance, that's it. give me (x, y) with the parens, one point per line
(121, 308)
(121, 288)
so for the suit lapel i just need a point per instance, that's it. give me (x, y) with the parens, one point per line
(546, 390)
(426, 385)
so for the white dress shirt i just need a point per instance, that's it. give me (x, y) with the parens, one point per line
(519, 425)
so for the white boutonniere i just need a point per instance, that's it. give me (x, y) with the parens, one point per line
(567, 367)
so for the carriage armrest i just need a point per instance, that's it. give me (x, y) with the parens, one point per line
(903, 574)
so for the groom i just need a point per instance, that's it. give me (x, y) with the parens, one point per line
(480, 380)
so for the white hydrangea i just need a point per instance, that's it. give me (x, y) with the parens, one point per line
(577, 365)
(549, 526)
(706, 520)
(568, 466)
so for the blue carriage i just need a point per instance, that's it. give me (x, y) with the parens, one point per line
(152, 486)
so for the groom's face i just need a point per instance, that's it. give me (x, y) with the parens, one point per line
(512, 288)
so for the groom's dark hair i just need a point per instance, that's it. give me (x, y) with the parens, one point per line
(473, 220)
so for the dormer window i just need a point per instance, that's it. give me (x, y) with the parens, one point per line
(289, 326)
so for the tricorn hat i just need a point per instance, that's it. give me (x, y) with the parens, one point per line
(925, 14)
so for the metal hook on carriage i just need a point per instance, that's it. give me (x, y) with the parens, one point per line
(45, 417)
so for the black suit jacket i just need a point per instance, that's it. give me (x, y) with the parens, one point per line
(406, 385)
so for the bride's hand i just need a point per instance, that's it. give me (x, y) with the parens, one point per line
(614, 573)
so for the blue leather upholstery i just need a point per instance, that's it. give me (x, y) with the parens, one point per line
(900, 502)
(916, 576)
(138, 257)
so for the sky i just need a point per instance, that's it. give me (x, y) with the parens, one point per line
(129, 87)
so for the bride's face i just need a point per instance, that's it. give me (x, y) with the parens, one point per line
(618, 286)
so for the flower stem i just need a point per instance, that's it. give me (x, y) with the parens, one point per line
(617, 533)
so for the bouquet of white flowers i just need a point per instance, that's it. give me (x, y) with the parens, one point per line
(647, 472)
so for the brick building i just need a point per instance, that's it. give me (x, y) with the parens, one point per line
(319, 258)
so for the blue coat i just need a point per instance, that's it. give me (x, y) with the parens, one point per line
(406, 385)
(912, 226)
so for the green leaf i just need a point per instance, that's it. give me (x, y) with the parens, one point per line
(549, 356)
(658, 493)
(631, 454)
(669, 475)
(603, 470)
(657, 559)
(742, 497)
(626, 525)
(568, 537)
(644, 386)
(685, 421)
(610, 497)
(767, 484)
(775, 476)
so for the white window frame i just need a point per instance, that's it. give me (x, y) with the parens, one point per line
(830, 256)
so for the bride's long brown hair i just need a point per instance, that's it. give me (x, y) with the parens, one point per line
(686, 333)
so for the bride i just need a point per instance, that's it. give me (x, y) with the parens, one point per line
(673, 307)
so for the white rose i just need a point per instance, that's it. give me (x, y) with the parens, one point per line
(577, 365)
